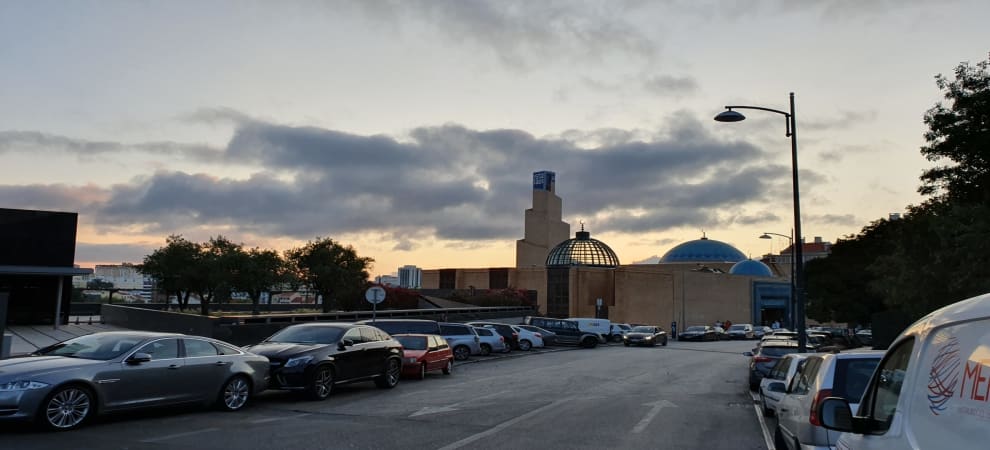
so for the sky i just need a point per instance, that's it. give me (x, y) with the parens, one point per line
(410, 129)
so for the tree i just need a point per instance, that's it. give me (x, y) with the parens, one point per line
(216, 265)
(960, 133)
(258, 271)
(174, 266)
(102, 285)
(336, 272)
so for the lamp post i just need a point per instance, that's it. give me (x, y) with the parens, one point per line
(790, 240)
(797, 243)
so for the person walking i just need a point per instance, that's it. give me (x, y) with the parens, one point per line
(775, 325)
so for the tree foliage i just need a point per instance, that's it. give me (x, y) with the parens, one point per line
(174, 267)
(334, 271)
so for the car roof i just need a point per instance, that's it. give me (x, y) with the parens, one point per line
(368, 321)
(780, 343)
(973, 308)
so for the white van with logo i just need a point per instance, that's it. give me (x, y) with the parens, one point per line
(931, 390)
(601, 327)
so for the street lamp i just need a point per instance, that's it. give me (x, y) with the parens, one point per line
(791, 131)
(790, 240)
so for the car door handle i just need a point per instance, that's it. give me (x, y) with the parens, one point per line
(783, 410)
(220, 363)
(174, 367)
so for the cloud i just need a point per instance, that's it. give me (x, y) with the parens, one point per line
(111, 253)
(522, 33)
(670, 86)
(845, 119)
(35, 141)
(834, 219)
(447, 182)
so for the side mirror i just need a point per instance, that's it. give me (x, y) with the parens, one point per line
(776, 386)
(748, 354)
(345, 343)
(139, 358)
(835, 414)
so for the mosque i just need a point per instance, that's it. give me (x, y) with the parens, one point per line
(695, 283)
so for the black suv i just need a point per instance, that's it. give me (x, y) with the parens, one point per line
(505, 330)
(566, 331)
(313, 357)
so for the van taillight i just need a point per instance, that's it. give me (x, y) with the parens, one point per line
(813, 417)
(760, 359)
(501, 338)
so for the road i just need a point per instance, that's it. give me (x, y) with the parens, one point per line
(683, 396)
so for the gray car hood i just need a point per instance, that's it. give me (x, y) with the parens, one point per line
(36, 366)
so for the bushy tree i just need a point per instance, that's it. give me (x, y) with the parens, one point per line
(174, 267)
(335, 271)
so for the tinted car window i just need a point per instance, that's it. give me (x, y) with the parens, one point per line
(354, 335)
(226, 349)
(852, 376)
(196, 348)
(93, 346)
(890, 380)
(801, 384)
(369, 335)
(777, 351)
(412, 342)
(307, 335)
(162, 349)
(454, 330)
(483, 331)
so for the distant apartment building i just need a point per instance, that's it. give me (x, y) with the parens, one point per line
(124, 276)
(387, 280)
(410, 277)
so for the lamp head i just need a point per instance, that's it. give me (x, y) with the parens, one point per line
(729, 116)
(765, 236)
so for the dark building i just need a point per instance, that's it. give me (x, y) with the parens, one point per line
(37, 256)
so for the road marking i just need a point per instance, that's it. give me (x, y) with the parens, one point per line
(452, 407)
(273, 419)
(501, 426)
(657, 406)
(763, 424)
(178, 435)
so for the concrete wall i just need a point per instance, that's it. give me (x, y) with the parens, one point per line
(532, 278)
(152, 320)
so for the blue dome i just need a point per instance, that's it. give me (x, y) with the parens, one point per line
(703, 250)
(751, 267)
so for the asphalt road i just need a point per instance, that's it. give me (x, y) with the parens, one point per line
(683, 396)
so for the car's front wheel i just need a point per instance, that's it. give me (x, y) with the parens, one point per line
(320, 383)
(390, 377)
(235, 393)
(486, 349)
(616, 338)
(67, 408)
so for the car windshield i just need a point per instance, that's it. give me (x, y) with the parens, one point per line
(737, 328)
(93, 346)
(307, 335)
(777, 351)
(695, 329)
(412, 342)
(642, 329)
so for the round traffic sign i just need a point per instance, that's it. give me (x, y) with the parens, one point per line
(375, 295)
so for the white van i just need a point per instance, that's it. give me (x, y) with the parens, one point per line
(931, 390)
(601, 327)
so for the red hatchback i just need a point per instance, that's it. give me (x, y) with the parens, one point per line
(423, 353)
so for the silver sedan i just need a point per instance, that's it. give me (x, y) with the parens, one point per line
(63, 385)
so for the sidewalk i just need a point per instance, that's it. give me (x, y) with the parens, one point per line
(28, 338)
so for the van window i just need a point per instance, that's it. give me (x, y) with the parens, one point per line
(852, 376)
(886, 389)
(802, 382)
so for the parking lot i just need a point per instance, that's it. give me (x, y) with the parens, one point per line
(683, 396)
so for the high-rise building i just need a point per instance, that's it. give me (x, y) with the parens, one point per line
(387, 280)
(544, 228)
(410, 277)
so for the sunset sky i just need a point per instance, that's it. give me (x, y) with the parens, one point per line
(410, 129)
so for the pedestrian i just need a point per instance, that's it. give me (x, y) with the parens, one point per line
(728, 323)
(775, 325)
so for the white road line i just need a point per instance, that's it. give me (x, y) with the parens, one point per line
(178, 435)
(763, 425)
(501, 426)
(274, 419)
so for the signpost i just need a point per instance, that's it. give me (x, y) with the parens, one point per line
(374, 295)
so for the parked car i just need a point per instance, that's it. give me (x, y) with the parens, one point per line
(528, 340)
(618, 330)
(925, 393)
(759, 332)
(504, 329)
(645, 335)
(567, 331)
(422, 353)
(843, 375)
(462, 339)
(865, 336)
(698, 333)
(313, 357)
(491, 341)
(404, 326)
(773, 386)
(601, 327)
(63, 385)
(763, 358)
(549, 337)
(741, 331)
(721, 334)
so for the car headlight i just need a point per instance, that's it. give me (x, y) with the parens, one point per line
(21, 385)
(649, 337)
(298, 361)
(625, 337)
(411, 360)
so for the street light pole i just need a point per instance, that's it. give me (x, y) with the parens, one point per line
(798, 243)
(790, 240)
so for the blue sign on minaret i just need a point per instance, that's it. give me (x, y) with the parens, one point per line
(544, 180)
